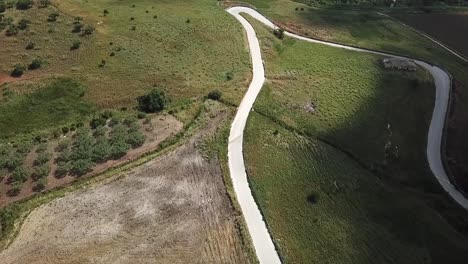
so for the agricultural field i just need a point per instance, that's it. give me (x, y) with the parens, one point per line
(368, 29)
(172, 209)
(449, 32)
(66, 65)
(335, 153)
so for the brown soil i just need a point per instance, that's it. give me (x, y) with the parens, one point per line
(173, 209)
(162, 127)
(452, 31)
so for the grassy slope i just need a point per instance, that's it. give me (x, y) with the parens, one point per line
(357, 217)
(56, 104)
(378, 210)
(370, 30)
(185, 59)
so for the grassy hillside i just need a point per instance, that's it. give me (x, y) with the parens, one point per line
(323, 207)
(356, 185)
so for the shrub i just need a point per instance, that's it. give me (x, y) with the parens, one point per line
(42, 171)
(83, 145)
(82, 166)
(53, 17)
(88, 30)
(44, 3)
(18, 71)
(279, 33)
(2, 6)
(23, 24)
(24, 147)
(187, 21)
(102, 151)
(41, 184)
(65, 130)
(42, 158)
(229, 75)
(153, 102)
(41, 148)
(62, 169)
(64, 144)
(77, 27)
(35, 64)
(30, 46)
(97, 121)
(119, 149)
(24, 4)
(76, 45)
(215, 95)
(12, 30)
(20, 174)
(133, 28)
(141, 115)
(14, 160)
(105, 12)
(136, 139)
(16, 188)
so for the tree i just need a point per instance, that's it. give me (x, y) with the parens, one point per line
(42, 158)
(18, 70)
(35, 64)
(136, 139)
(153, 102)
(97, 121)
(16, 188)
(215, 95)
(24, 4)
(41, 184)
(42, 171)
(62, 169)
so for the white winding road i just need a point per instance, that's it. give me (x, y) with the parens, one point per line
(261, 238)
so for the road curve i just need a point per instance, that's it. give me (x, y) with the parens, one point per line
(262, 241)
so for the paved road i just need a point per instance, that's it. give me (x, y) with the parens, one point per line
(261, 238)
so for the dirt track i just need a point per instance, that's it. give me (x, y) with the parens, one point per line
(171, 210)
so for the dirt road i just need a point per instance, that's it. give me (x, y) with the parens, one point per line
(171, 210)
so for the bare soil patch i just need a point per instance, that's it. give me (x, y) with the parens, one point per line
(451, 32)
(173, 209)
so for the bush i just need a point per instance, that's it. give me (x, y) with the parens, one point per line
(76, 45)
(97, 121)
(18, 71)
(35, 64)
(23, 24)
(102, 151)
(24, 4)
(215, 95)
(153, 102)
(16, 188)
(12, 30)
(41, 184)
(65, 130)
(20, 174)
(30, 46)
(42, 171)
(136, 139)
(44, 3)
(42, 158)
(53, 17)
(62, 169)
(141, 115)
(279, 33)
(64, 144)
(88, 30)
(82, 166)
(107, 114)
(105, 12)
(2, 6)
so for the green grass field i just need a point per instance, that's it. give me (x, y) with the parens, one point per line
(186, 48)
(361, 156)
